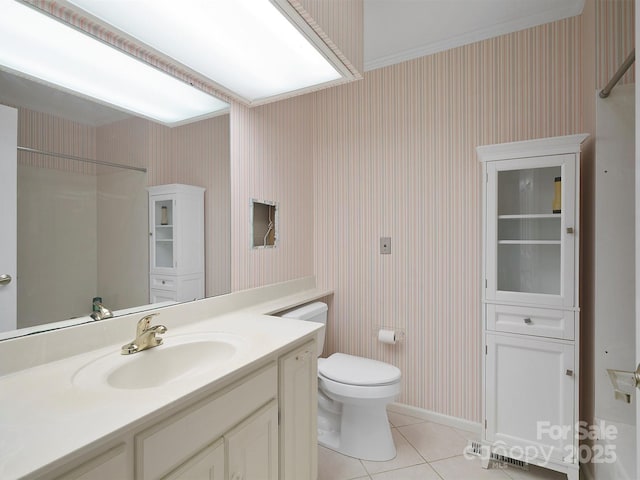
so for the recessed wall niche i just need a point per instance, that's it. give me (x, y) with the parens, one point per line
(264, 223)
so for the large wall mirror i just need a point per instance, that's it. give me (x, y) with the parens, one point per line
(83, 227)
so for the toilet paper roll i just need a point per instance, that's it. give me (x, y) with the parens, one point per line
(387, 336)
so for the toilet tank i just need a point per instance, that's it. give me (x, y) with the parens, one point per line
(312, 312)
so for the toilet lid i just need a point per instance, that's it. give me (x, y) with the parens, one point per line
(352, 370)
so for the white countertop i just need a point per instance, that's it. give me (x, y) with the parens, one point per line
(44, 416)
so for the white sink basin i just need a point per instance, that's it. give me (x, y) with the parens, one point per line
(179, 357)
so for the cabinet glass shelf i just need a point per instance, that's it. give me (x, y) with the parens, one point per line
(529, 233)
(529, 242)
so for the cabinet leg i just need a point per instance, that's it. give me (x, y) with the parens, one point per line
(573, 474)
(484, 462)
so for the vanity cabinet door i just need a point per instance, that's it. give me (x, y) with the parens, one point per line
(252, 447)
(208, 464)
(299, 414)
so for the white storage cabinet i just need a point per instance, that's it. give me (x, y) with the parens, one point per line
(176, 243)
(530, 307)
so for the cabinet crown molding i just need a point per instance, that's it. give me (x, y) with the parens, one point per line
(532, 148)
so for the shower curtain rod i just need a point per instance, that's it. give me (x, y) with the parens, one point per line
(80, 159)
(604, 93)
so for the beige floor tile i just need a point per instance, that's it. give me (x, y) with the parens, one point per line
(406, 456)
(334, 466)
(400, 420)
(417, 472)
(461, 468)
(534, 473)
(434, 441)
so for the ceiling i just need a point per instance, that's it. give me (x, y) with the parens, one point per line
(399, 30)
(394, 31)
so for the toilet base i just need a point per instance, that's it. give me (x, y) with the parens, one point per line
(363, 431)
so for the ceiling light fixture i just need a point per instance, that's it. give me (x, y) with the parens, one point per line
(249, 47)
(38, 46)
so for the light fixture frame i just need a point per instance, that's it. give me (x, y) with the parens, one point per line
(57, 12)
(88, 22)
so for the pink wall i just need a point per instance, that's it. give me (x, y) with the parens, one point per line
(194, 154)
(271, 160)
(394, 155)
(616, 32)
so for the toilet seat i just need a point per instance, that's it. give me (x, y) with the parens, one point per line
(348, 393)
(358, 371)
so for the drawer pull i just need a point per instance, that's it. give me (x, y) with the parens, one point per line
(569, 373)
(528, 321)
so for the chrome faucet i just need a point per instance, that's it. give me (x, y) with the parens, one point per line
(146, 336)
(102, 312)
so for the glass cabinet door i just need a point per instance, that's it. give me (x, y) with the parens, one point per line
(162, 234)
(530, 212)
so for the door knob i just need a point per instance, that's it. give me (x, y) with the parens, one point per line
(5, 279)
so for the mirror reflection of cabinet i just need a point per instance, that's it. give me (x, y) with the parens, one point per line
(176, 243)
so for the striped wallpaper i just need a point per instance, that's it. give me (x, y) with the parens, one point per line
(390, 155)
(42, 131)
(271, 160)
(615, 28)
(394, 155)
(196, 154)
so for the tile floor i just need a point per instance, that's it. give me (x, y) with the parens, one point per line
(425, 451)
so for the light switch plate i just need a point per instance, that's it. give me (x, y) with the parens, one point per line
(385, 245)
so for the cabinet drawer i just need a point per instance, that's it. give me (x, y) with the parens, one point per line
(158, 296)
(163, 283)
(165, 446)
(541, 322)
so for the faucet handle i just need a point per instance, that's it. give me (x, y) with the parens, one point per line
(144, 323)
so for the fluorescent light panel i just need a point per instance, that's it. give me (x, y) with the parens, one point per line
(39, 46)
(247, 46)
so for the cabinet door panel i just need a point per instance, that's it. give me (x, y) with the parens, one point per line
(252, 447)
(168, 444)
(530, 243)
(162, 235)
(530, 386)
(299, 414)
(207, 465)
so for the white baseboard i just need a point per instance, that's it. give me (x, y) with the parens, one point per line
(435, 417)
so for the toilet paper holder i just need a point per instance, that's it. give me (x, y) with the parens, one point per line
(399, 332)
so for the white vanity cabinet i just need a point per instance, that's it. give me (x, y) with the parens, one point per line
(208, 464)
(176, 243)
(260, 427)
(530, 308)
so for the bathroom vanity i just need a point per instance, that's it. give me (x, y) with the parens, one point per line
(230, 394)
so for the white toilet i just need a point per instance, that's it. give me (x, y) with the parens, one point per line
(353, 393)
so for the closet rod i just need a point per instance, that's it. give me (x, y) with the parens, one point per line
(604, 93)
(80, 159)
